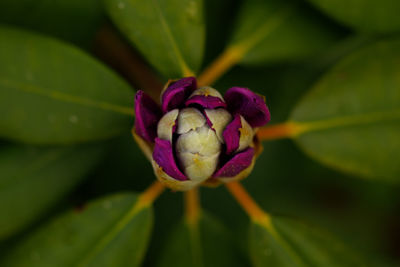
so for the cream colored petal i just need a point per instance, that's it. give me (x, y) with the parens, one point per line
(246, 135)
(196, 167)
(189, 119)
(202, 141)
(219, 118)
(166, 124)
(207, 91)
(171, 182)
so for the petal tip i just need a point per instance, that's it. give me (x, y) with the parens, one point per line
(147, 114)
(249, 104)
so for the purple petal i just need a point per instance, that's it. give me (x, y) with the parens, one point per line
(250, 105)
(209, 102)
(164, 157)
(237, 164)
(231, 134)
(176, 93)
(147, 114)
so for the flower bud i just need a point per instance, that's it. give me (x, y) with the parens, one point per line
(199, 137)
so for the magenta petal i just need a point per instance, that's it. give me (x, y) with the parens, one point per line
(231, 134)
(209, 102)
(176, 94)
(248, 104)
(237, 164)
(164, 157)
(147, 114)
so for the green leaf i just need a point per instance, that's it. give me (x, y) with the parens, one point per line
(201, 243)
(289, 242)
(350, 119)
(52, 93)
(169, 33)
(72, 20)
(271, 31)
(33, 180)
(220, 15)
(112, 231)
(367, 15)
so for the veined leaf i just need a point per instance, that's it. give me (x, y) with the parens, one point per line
(112, 231)
(270, 31)
(169, 33)
(33, 179)
(367, 15)
(52, 93)
(203, 243)
(288, 242)
(351, 119)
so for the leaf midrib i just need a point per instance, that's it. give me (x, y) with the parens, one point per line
(67, 98)
(282, 242)
(351, 120)
(179, 57)
(115, 230)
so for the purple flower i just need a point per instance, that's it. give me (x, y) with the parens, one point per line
(197, 136)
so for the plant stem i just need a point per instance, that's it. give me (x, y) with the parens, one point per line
(112, 49)
(235, 52)
(221, 65)
(192, 206)
(248, 204)
(278, 131)
(150, 194)
(192, 216)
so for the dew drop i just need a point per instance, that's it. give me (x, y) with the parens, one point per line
(29, 76)
(121, 5)
(191, 10)
(73, 119)
(107, 205)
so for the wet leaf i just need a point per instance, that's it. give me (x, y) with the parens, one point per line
(350, 119)
(33, 180)
(53, 93)
(169, 33)
(111, 231)
(289, 242)
(205, 243)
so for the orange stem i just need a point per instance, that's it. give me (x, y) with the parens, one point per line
(278, 131)
(112, 49)
(192, 205)
(151, 194)
(247, 202)
(220, 66)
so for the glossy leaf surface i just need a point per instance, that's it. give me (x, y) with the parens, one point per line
(271, 31)
(169, 33)
(33, 180)
(53, 93)
(288, 242)
(203, 244)
(367, 15)
(351, 119)
(108, 232)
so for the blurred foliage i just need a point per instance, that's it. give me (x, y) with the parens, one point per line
(295, 53)
(75, 21)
